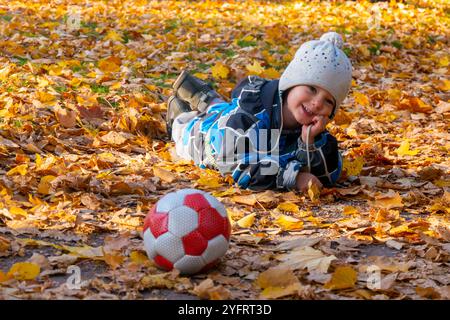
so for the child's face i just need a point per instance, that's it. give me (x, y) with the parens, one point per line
(306, 102)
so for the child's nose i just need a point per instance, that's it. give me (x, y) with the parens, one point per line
(317, 104)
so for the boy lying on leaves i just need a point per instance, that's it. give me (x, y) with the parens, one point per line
(272, 134)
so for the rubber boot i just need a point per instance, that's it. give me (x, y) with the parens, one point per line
(175, 107)
(194, 91)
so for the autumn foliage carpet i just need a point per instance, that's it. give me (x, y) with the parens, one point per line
(84, 153)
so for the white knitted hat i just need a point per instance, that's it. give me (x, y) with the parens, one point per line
(322, 63)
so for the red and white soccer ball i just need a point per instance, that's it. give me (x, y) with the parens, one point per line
(187, 230)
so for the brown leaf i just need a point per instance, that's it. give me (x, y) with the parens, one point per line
(207, 290)
(164, 174)
(278, 282)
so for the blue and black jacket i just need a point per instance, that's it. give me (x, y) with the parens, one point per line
(245, 138)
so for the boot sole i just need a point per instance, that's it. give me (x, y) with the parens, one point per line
(179, 80)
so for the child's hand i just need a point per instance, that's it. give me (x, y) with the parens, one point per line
(319, 123)
(302, 181)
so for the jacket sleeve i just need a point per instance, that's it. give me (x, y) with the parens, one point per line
(322, 158)
(250, 163)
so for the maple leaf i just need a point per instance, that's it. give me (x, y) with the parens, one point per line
(219, 70)
(404, 150)
(353, 168)
(255, 68)
(342, 278)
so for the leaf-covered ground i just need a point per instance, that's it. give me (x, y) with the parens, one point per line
(83, 151)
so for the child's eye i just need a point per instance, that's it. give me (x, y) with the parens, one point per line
(312, 88)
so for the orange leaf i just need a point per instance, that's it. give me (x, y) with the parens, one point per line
(111, 64)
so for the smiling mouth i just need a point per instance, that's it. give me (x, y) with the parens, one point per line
(307, 111)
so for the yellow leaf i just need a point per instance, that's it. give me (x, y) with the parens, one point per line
(138, 257)
(444, 85)
(75, 82)
(403, 150)
(219, 70)
(361, 99)
(164, 175)
(313, 191)
(22, 170)
(342, 278)
(349, 210)
(400, 230)
(272, 73)
(255, 68)
(44, 184)
(113, 35)
(230, 191)
(202, 76)
(18, 211)
(353, 168)
(288, 223)
(45, 96)
(279, 292)
(444, 61)
(92, 74)
(24, 271)
(111, 64)
(288, 207)
(278, 282)
(55, 70)
(209, 181)
(247, 221)
(4, 72)
(394, 94)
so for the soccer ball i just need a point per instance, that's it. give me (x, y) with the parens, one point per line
(187, 230)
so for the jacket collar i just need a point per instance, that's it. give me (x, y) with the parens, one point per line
(271, 98)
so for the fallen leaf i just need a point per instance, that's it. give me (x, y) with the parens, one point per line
(306, 257)
(394, 244)
(342, 278)
(404, 150)
(24, 271)
(164, 175)
(288, 207)
(353, 167)
(219, 70)
(247, 221)
(255, 68)
(278, 282)
(207, 290)
(249, 200)
(297, 243)
(388, 200)
(288, 223)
